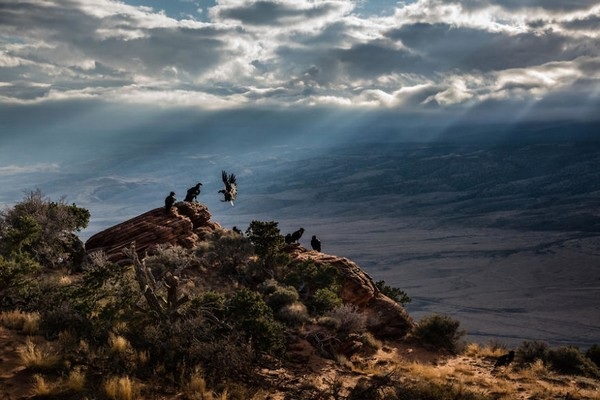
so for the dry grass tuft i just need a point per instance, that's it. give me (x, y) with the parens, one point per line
(436, 373)
(76, 381)
(197, 389)
(64, 280)
(121, 388)
(118, 344)
(37, 359)
(40, 386)
(19, 320)
(479, 351)
(31, 323)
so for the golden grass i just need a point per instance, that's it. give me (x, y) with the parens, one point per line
(477, 350)
(76, 381)
(37, 359)
(121, 388)
(64, 280)
(436, 373)
(143, 357)
(118, 344)
(40, 386)
(19, 320)
(31, 323)
(197, 389)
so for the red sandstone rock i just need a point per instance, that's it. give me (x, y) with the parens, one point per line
(386, 318)
(184, 225)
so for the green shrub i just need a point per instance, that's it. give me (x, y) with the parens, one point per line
(43, 230)
(249, 312)
(211, 304)
(265, 237)
(593, 353)
(293, 314)
(398, 295)
(439, 332)
(324, 300)
(569, 360)
(225, 251)
(282, 296)
(168, 258)
(307, 277)
(530, 351)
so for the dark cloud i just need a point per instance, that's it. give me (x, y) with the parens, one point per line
(378, 58)
(118, 47)
(274, 13)
(551, 5)
(591, 22)
(285, 53)
(444, 47)
(45, 21)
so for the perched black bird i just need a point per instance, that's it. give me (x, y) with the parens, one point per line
(295, 236)
(315, 243)
(230, 191)
(169, 201)
(505, 359)
(192, 193)
(237, 230)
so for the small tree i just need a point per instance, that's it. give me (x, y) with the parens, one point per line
(268, 244)
(440, 332)
(253, 316)
(44, 231)
(398, 295)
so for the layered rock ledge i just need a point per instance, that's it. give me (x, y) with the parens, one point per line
(184, 225)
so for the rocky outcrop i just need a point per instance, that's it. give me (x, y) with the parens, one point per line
(184, 225)
(386, 318)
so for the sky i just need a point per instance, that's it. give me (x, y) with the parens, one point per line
(89, 78)
(423, 56)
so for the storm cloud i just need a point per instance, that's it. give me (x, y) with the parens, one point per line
(283, 53)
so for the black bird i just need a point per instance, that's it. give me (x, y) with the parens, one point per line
(169, 201)
(505, 359)
(237, 230)
(315, 243)
(230, 191)
(192, 193)
(295, 236)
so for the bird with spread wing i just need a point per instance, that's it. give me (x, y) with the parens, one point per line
(230, 191)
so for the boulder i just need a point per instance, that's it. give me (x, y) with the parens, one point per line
(184, 225)
(386, 318)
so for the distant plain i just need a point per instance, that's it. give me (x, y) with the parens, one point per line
(505, 236)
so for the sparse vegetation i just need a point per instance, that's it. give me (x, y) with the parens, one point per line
(440, 332)
(218, 322)
(396, 294)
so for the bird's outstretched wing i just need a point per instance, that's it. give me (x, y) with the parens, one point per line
(230, 191)
(224, 177)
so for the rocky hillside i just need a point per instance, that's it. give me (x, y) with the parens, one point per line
(187, 223)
